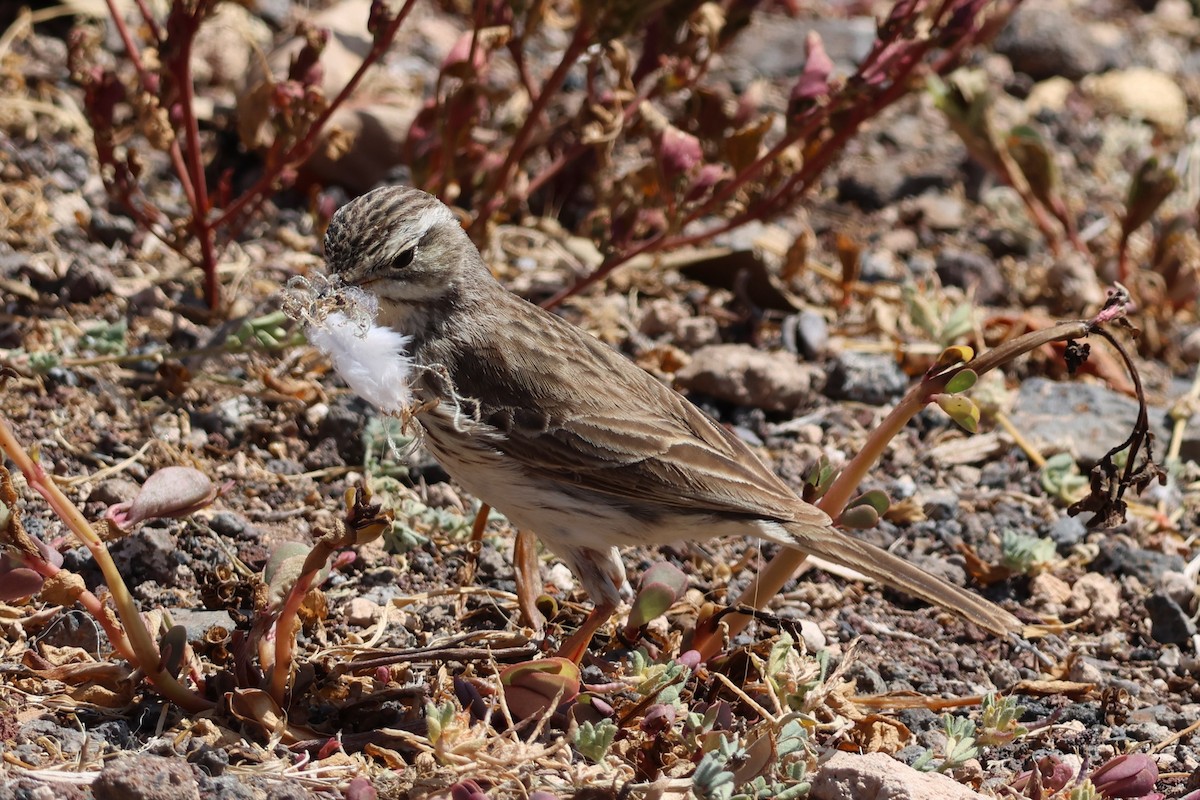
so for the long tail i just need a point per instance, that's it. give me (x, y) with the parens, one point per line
(833, 545)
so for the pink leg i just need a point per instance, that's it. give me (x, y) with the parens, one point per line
(574, 647)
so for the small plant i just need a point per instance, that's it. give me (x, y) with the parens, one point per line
(999, 722)
(1026, 555)
(593, 741)
(961, 746)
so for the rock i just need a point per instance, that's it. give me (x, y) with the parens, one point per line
(769, 44)
(1048, 95)
(1098, 597)
(1180, 588)
(813, 636)
(362, 612)
(881, 265)
(870, 186)
(1049, 593)
(146, 777)
(1169, 624)
(1035, 41)
(1067, 531)
(1083, 419)
(113, 490)
(865, 378)
(941, 212)
(743, 375)
(965, 268)
(1148, 566)
(85, 281)
(812, 334)
(199, 622)
(147, 555)
(1072, 286)
(1141, 93)
(876, 776)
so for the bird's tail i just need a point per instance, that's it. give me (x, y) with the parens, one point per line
(833, 545)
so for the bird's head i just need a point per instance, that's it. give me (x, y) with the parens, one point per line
(400, 244)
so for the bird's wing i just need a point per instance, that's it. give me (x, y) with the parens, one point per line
(578, 413)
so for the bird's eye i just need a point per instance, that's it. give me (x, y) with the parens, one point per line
(405, 258)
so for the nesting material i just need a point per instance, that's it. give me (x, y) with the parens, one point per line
(339, 320)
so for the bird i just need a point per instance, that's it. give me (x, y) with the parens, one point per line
(565, 436)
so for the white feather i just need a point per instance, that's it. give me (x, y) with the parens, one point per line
(373, 360)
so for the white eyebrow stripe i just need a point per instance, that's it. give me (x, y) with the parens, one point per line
(405, 236)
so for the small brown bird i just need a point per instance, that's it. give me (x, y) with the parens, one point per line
(563, 435)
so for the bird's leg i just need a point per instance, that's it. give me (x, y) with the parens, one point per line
(574, 647)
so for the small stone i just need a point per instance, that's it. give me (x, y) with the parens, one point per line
(1084, 671)
(198, 622)
(941, 212)
(1141, 93)
(146, 777)
(876, 776)
(965, 269)
(1067, 531)
(1169, 624)
(746, 376)
(1147, 566)
(696, 332)
(661, 316)
(1179, 587)
(865, 378)
(1097, 596)
(1036, 42)
(813, 636)
(1080, 418)
(1048, 592)
(362, 612)
(113, 490)
(1072, 286)
(1048, 95)
(812, 334)
(880, 265)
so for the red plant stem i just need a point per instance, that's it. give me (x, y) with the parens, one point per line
(813, 164)
(135, 58)
(144, 650)
(195, 161)
(285, 624)
(249, 200)
(116, 636)
(496, 192)
(151, 23)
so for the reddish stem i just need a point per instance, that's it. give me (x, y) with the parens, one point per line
(497, 191)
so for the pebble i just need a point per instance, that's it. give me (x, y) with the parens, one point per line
(1147, 566)
(941, 212)
(362, 612)
(1098, 417)
(1049, 593)
(1097, 596)
(1035, 41)
(812, 334)
(1067, 531)
(875, 775)
(1169, 624)
(1048, 95)
(965, 268)
(146, 777)
(1179, 587)
(746, 376)
(865, 378)
(1141, 93)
